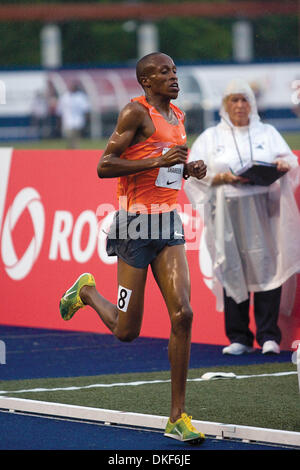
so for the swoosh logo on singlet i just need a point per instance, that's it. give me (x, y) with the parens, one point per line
(171, 182)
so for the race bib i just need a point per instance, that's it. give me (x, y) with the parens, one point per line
(170, 177)
(123, 298)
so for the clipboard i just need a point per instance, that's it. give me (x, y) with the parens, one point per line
(260, 173)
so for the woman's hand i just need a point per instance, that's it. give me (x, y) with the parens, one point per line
(282, 165)
(228, 178)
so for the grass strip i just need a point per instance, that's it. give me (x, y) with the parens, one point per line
(268, 402)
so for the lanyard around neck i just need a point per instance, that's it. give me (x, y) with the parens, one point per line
(237, 147)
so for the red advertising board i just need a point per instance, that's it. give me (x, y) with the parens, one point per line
(54, 213)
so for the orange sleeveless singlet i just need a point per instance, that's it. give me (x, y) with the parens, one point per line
(139, 190)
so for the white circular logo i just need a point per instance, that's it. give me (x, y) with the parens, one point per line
(27, 198)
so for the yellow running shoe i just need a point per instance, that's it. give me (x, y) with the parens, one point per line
(71, 301)
(184, 431)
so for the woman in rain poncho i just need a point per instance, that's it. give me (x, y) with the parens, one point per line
(252, 232)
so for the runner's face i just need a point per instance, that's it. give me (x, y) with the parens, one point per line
(162, 77)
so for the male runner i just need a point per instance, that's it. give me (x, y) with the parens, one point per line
(147, 152)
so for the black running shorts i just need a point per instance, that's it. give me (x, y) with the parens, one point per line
(138, 238)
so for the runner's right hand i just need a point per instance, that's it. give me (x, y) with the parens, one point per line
(177, 154)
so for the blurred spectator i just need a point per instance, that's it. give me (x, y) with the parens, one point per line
(40, 114)
(52, 118)
(296, 96)
(73, 109)
(258, 91)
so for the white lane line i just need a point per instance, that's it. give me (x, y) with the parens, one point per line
(137, 383)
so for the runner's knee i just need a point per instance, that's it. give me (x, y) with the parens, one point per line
(182, 319)
(127, 336)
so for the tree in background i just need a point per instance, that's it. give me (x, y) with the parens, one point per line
(109, 42)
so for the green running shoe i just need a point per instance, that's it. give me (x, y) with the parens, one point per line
(184, 431)
(70, 301)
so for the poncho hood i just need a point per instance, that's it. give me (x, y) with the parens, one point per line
(239, 86)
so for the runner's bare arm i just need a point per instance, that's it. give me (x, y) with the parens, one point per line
(134, 126)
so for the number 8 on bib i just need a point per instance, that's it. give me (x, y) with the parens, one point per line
(123, 298)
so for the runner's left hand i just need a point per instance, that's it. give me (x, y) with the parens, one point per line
(196, 169)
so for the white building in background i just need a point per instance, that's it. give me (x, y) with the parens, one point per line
(275, 85)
